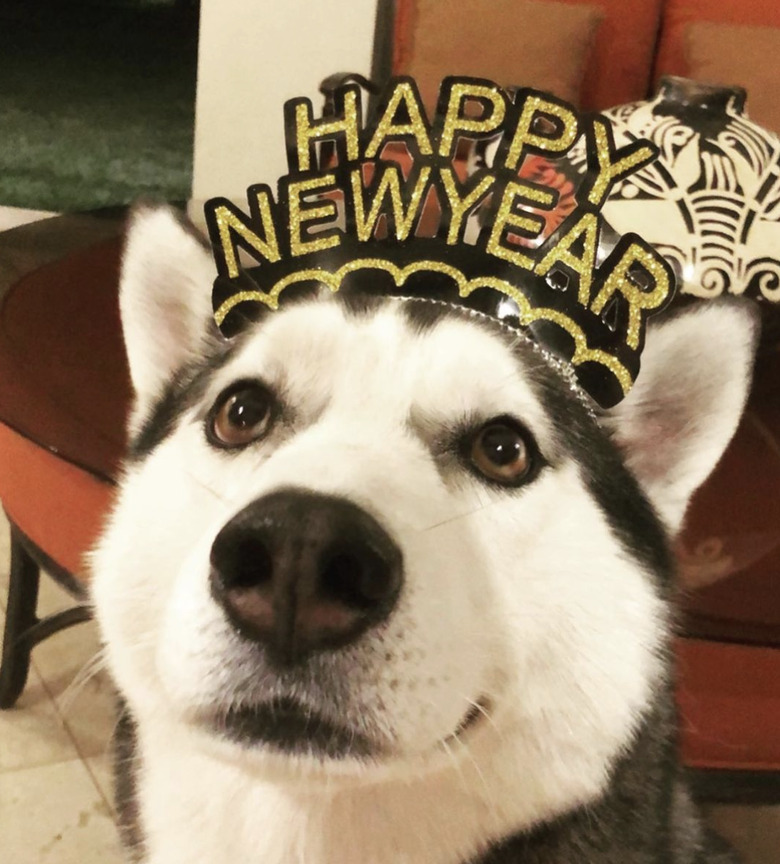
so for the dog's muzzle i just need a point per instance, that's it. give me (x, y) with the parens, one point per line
(300, 572)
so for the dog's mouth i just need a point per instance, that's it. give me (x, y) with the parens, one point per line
(478, 713)
(291, 728)
(294, 729)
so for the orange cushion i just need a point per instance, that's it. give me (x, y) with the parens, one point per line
(523, 43)
(680, 14)
(64, 380)
(58, 505)
(729, 702)
(617, 70)
(620, 65)
(727, 54)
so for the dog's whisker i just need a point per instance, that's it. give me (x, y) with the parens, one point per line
(466, 752)
(205, 486)
(447, 747)
(89, 670)
(457, 517)
(485, 712)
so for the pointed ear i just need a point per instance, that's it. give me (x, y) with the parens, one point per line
(164, 298)
(687, 400)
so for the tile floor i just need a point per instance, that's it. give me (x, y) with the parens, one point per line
(55, 786)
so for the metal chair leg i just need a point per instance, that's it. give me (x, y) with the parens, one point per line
(23, 628)
(20, 617)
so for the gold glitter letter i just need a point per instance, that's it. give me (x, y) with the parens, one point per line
(231, 223)
(613, 164)
(454, 122)
(459, 207)
(299, 215)
(533, 106)
(389, 182)
(386, 128)
(307, 131)
(620, 280)
(529, 226)
(587, 228)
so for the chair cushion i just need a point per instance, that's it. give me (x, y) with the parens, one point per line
(64, 381)
(58, 505)
(64, 392)
(679, 15)
(729, 702)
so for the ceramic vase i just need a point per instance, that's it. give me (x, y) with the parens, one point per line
(711, 202)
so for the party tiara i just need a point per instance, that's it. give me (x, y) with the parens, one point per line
(391, 199)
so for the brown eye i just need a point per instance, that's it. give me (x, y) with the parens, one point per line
(241, 416)
(500, 452)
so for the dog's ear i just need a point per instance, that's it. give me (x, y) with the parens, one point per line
(687, 400)
(164, 298)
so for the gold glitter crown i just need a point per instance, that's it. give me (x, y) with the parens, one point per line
(393, 200)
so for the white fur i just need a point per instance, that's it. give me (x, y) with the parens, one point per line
(525, 598)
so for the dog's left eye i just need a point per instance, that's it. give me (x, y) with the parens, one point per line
(240, 416)
(501, 451)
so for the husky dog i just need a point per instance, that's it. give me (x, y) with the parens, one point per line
(380, 587)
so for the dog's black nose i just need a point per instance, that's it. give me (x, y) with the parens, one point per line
(300, 572)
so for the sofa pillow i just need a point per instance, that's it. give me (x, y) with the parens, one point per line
(528, 43)
(678, 15)
(746, 56)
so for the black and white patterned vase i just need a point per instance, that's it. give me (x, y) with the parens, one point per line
(711, 202)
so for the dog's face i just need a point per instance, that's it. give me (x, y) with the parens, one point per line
(387, 535)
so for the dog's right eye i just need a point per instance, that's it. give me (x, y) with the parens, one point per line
(240, 416)
(502, 451)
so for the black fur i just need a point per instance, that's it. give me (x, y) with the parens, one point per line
(644, 817)
(125, 784)
(181, 393)
(292, 729)
(422, 316)
(358, 304)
